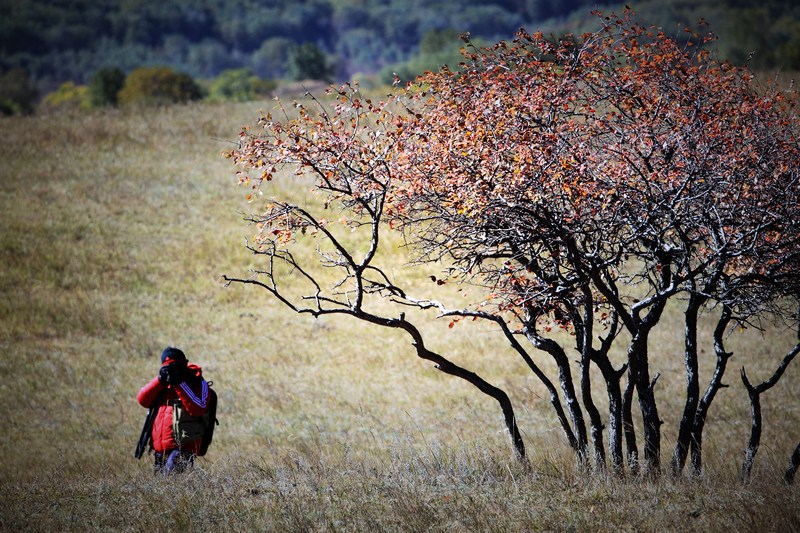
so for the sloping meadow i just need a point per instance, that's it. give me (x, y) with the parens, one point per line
(116, 228)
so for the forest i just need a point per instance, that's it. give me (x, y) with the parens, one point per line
(57, 41)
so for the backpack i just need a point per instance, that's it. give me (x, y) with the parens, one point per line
(187, 428)
(211, 414)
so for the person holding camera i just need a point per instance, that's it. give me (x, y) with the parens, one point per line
(180, 397)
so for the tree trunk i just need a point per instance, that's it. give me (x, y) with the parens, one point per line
(573, 407)
(794, 462)
(638, 360)
(615, 409)
(568, 389)
(692, 387)
(596, 423)
(584, 328)
(627, 426)
(490, 390)
(448, 367)
(755, 410)
(555, 401)
(755, 428)
(714, 385)
(451, 368)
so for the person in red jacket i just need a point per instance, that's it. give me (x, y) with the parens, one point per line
(179, 391)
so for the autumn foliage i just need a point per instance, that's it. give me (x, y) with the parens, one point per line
(582, 184)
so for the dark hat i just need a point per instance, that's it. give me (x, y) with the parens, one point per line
(173, 354)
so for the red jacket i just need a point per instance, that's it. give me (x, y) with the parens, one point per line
(194, 398)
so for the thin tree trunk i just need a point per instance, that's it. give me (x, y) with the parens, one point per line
(714, 385)
(755, 428)
(610, 376)
(573, 407)
(794, 462)
(651, 431)
(568, 389)
(448, 367)
(555, 401)
(629, 430)
(755, 392)
(692, 387)
(596, 423)
(652, 426)
(615, 409)
(584, 328)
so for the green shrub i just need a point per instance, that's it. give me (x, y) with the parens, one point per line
(68, 96)
(239, 85)
(308, 62)
(17, 93)
(158, 86)
(105, 86)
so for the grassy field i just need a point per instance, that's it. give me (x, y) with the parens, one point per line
(116, 228)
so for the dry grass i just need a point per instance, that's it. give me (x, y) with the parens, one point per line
(436, 489)
(115, 229)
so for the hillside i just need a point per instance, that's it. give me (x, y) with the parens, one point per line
(61, 40)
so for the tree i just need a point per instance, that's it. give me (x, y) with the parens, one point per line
(208, 57)
(239, 85)
(17, 93)
(755, 392)
(68, 96)
(560, 170)
(105, 86)
(158, 86)
(582, 184)
(271, 59)
(308, 62)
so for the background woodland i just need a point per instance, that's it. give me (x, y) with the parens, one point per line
(57, 41)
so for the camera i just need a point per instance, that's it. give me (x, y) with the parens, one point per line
(176, 371)
(172, 373)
